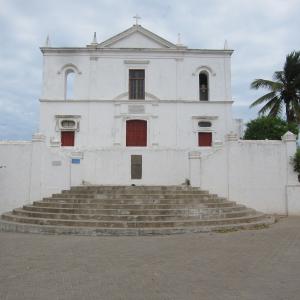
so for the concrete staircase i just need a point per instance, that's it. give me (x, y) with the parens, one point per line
(132, 210)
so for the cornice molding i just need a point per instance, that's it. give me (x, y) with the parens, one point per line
(135, 101)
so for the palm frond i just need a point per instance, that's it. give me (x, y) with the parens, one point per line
(292, 66)
(276, 110)
(264, 98)
(267, 84)
(279, 76)
(273, 105)
(295, 107)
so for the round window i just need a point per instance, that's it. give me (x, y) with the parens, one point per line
(204, 124)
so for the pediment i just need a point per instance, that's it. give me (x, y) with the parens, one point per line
(136, 37)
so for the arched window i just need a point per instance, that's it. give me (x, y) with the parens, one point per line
(203, 86)
(136, 133)
(69, 84)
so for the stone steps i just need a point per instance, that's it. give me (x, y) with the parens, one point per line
(131, 224)
(130, 206)
(151, 189)
(122, 217)
(132, 190)
(113, 211)
(193, 200)
(131, 210)
(134, 196)
(88, 231)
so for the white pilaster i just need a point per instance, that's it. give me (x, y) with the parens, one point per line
(36, 172)
(195, 168)
(292, 183)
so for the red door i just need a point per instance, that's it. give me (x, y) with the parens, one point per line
(136, 133)
(204, 139)
(67, 138)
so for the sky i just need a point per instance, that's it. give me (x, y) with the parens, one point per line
(262, 33)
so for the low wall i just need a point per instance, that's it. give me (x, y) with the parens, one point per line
(15, 167)
(27, 173)
(159, 167)
(255, 173)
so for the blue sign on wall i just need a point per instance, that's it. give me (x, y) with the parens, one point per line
(76, 161)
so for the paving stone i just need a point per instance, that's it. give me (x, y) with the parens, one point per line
(248, 265)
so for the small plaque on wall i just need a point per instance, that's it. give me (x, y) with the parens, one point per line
(136, 109)
(75, 161)
(56, 163)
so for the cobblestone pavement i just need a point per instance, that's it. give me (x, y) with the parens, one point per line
(254, 264)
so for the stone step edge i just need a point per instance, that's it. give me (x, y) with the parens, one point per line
(243, 219)
(130, 201)
(130, 192)
(208, 209)
(150, 211)
(246, 210)
(69, 195)
(132, 186)
(6, 226)
(131, 204)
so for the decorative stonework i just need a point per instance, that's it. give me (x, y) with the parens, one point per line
(136, 62)
(194, 155)
(230, 137)
(136, 109)
(38, 137)
(69, 66)
(204, 68)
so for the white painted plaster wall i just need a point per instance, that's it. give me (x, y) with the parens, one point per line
(27, 173)
(103, 123)
(104, 75)
(160, 167)
(257, 175)
(15, 165)
(254, 173)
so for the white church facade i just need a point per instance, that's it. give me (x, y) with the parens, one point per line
(138, 109)
(136, 94)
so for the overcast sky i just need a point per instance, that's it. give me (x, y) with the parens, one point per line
(261, 32)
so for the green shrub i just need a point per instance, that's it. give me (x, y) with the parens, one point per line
(268, 128)
(296, 161)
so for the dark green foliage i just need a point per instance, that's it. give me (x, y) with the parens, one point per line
(296, 161)
(284, 91)
(268, 128)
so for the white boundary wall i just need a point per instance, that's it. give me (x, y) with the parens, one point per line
(255, 173)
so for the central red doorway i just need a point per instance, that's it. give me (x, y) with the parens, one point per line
(136, 133)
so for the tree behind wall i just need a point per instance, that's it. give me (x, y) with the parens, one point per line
(284, 91)
(268, 128)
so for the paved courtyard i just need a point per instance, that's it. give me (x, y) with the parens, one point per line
(255, 264)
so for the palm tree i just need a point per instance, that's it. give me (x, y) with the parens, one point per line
(284, 91)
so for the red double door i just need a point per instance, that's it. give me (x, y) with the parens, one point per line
(136, 133)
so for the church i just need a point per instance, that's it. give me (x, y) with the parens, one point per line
(134, 106)
(139, 111)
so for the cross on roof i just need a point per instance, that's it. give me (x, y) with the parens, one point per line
(136, 17)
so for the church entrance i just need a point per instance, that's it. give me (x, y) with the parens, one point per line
(136, 133)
